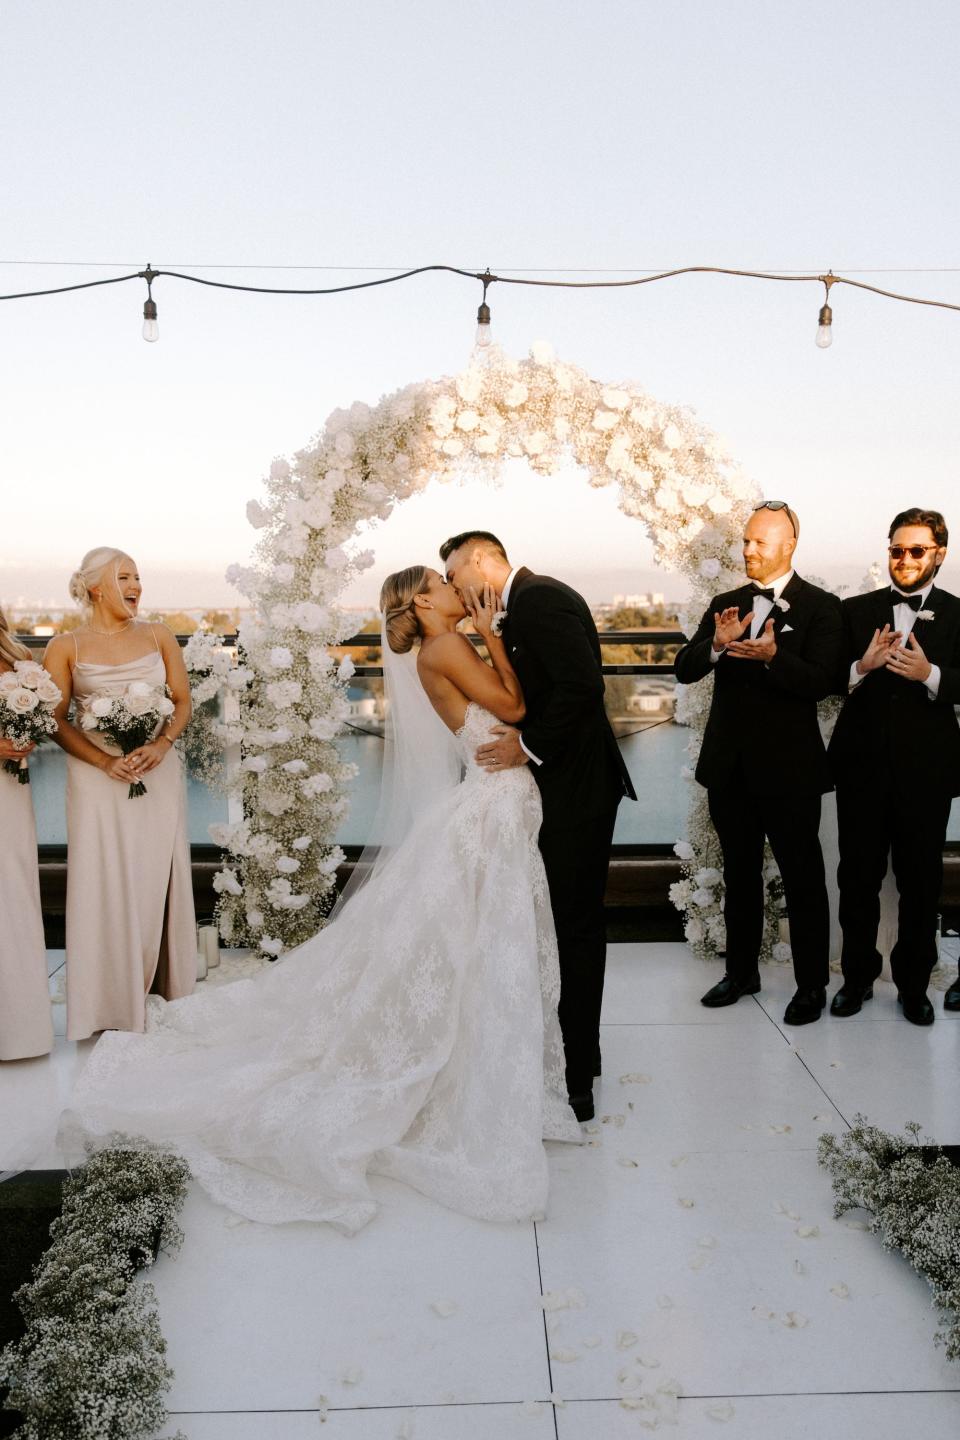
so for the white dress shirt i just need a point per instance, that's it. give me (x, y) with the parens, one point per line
(504, 597)
(904, 619)
(762, 610)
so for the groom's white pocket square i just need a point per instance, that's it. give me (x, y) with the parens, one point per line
(786, 629)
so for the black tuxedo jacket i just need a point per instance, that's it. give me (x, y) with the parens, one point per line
(889, 728)
(553, 646)
(763, 718)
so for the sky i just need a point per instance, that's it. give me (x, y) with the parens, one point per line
(549, 137)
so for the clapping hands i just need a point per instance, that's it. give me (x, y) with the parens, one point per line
(728, 633)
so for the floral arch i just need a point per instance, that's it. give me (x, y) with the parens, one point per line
(672, 475)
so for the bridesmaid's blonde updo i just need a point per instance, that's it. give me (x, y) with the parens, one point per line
(399, 612)
(90, 571)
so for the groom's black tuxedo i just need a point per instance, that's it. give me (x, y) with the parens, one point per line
(553, 646)
(895, 755)
(765, 768)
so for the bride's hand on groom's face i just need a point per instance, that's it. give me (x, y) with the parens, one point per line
(482, 609)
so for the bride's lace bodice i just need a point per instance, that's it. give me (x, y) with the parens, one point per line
(415, 1037)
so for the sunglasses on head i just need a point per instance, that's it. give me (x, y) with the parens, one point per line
(916, 552)
(777, 505)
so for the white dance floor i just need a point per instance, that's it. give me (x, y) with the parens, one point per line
(690, 1255)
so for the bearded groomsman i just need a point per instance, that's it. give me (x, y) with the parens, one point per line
(895, 755)
(772, 646)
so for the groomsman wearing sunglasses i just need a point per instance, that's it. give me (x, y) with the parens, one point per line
(773, 647)
(895, 754)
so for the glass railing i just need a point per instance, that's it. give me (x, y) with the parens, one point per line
(640, 694)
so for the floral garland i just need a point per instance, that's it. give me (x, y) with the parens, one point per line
(91, 1364)
(673, 475)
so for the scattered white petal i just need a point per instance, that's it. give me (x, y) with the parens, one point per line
(793, 1320)
(592, 1341)
(841, 1291)
(533, 1408)
(323, 1404)
(592, 1129)
(807, 1232)
(762, 1313)
(557, 1401)
(626, 1339)
(564, 1357)
(698, 1261)
(780, 1129)
(685, 1202)
(635, 1077)
(572, 1298)
(351, 1377)
(799, 1269)
(444, 1308)
(678, 1160)
(627, 1163)
(723, 1411)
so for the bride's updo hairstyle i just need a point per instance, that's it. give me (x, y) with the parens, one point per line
(399, 612)
(90, 572)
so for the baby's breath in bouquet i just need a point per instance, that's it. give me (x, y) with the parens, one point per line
(129, 720)
(28, 698)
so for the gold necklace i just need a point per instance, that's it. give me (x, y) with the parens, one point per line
(109, 634)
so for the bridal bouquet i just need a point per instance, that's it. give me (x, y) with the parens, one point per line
(129, 719)
(28, 697)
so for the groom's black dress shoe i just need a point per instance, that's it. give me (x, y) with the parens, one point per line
(728, 991)
(805, 1007)
(582, 1105)
(916, 1008)
(849, 998)
(951, 1001)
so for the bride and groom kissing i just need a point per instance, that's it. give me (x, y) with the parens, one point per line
(446, 1020)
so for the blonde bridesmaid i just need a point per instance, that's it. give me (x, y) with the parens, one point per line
(130, 918)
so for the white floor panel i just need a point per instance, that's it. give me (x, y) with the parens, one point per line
(787, 1417)
(661, 984)
(268, 1317)
(719, 1270)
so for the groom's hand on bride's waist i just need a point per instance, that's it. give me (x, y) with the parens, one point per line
(504, 752)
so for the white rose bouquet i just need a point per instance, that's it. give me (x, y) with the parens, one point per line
(129, 719)
(28, 698)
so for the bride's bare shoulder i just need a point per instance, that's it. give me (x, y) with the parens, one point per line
(441, 652)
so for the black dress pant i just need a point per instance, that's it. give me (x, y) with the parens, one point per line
(874, 823)
(576, 859)
(742, 819)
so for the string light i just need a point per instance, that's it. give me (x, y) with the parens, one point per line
(486, 278)
(825, 320)
(483, 316)
(151, 330)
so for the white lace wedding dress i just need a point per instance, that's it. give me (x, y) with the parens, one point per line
(415, 1037)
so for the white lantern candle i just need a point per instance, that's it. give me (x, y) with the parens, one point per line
(210, 939)
(201, 960)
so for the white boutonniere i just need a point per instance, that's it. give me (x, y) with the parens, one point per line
(925, 615)
(496, 627)
(782, 604)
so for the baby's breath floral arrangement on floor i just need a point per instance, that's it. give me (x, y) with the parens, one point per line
(913, 1202)
(672, 474)
(91, 1365)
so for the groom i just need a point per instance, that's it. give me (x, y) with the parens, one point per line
(567, 740)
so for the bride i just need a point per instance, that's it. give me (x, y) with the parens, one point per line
(416, 1036)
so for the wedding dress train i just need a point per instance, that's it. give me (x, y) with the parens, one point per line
(415, 1037)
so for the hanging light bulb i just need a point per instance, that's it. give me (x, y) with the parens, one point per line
(825, 319)
(483, 325)
(151, 330)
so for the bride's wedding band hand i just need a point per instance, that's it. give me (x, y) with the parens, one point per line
(483, 611)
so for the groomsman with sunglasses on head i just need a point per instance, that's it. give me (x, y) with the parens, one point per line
(773, 647)
(895, 755)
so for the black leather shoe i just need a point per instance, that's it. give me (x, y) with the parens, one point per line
(805, 1007)
(849, 998)
(728, 991)
(916, 1008)
(582, 1105)
(951, 1001)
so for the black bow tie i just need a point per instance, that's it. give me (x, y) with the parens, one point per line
(759, 594)
(914, 601)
